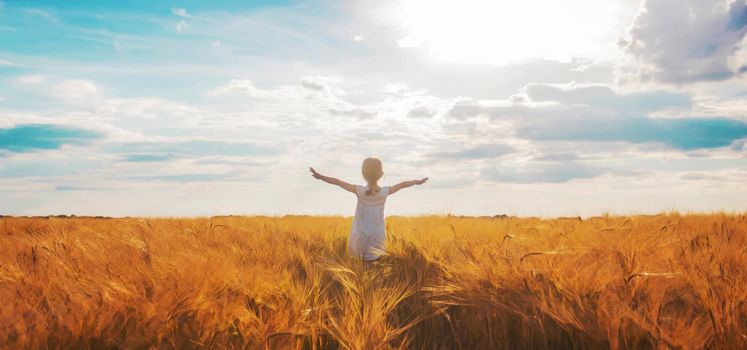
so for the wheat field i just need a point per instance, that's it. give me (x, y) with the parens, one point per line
(664, 281)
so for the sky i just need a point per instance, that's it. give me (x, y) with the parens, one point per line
(531, 107)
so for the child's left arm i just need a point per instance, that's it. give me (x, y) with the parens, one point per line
(332, 181)
(406, 184)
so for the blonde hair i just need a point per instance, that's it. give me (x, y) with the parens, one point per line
(372, 171)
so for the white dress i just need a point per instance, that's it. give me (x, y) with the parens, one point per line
(368, 233)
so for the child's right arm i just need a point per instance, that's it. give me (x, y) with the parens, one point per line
(332, 181)
(407, 184)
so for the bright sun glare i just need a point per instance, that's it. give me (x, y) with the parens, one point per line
(501, 31)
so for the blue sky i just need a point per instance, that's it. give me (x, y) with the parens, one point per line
(532, 107)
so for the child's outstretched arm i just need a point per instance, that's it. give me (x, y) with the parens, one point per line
(407, 184)
(332, 181)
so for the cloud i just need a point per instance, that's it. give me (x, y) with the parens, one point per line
(312, 94)
(559, 157)
(73, 188)
(485, 151)
(719, 177)
(317, 86)
(598, 113)
(739, 145)
(682, 133)
(185, 178)
(249, 88)
(181, 12)
(151, 150)
(66, 188)
(43, 13)
(541, 173)
(451, 182)
(465, 109)
(230, 161)
(31, 137)
(604, 96)
(216, 45)
(146, 158)
(421, 112)
(47, 167)
(680, 41)
(30, 79)
(322, 84)
(313, 84)
(182, 26)
(352, 111)
(75, 90)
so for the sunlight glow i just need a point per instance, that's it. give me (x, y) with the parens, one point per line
(500, 31)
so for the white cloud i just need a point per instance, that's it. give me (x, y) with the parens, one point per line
(323, 85)
(541, 173)
(42, 13)
(464, 109)
(75, 90)
(316, 87)
(679, 41)
(737, 61)
(719, 106)
(352, 111)
(216, 44)
(181, 12)
(182, 26)
(30, 79)
(395, 88)
(726, 175)
(601, 114)
(480, 151)
(150, 108)
(605, 97)
(249, 88)
(304, 125)
(421, 112)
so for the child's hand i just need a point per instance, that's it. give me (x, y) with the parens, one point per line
(314, 173)
(421, 181)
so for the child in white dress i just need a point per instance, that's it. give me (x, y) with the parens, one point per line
(368, 233)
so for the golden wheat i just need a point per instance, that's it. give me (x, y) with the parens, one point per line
(665, 281)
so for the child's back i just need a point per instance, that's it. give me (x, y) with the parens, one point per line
(368, 233)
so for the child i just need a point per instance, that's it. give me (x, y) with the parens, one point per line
(368, 233)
